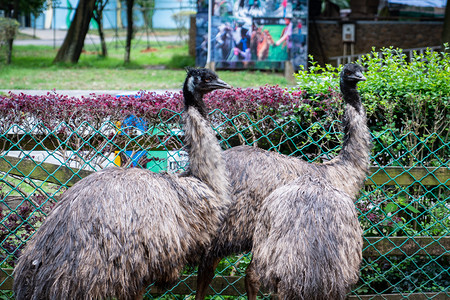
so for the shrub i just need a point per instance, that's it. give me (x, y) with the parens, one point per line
(8, 31)
(181, 61)
(18, 224)
(66, 115)
(397, 274)
(406, 98)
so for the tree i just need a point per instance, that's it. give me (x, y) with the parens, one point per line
(147, 8)
(446, 30)
(130, 4)
(72, 46)
(13, 8)
(98, 17)
(8, 31)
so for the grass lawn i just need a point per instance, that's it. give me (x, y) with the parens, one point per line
(160, 67)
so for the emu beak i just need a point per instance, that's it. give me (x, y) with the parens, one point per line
(218, 84)
(358, 76)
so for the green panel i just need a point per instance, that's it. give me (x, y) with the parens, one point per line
(158, 161)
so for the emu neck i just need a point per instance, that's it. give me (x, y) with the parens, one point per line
(350, 167)
(351, 95)
(194, 100)
(205, 155)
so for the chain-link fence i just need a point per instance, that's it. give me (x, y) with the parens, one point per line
(403, 209)
(167, 14)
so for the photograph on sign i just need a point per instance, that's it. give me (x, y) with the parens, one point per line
(253, 34)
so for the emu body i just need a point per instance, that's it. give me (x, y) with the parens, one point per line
(254, 174)
(119, 240)
(308, 241)
(118, 230)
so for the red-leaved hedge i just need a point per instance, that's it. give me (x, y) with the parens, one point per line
(267, 116)
(53, 107)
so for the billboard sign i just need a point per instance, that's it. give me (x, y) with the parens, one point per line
(253, 34)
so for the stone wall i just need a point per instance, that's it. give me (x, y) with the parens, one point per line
(325, 37)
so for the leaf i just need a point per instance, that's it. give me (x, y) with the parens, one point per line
(390, 207)
(402, 201)
(412, 208)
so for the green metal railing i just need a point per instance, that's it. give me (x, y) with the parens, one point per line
(404, 208)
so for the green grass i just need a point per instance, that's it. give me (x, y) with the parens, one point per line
(12, 185)
(33, 68)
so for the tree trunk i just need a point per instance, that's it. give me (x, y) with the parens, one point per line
(72, 46)
(130, 4)
(9, 49)
(102, 36)
(446, 31)
(98, 16)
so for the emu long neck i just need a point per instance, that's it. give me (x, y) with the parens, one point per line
(352, 164)
(205, 155)
(194, 100)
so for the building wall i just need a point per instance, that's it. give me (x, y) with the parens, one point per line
(325, 37)
(166, 8)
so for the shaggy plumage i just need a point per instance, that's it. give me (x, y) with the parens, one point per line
(308, 241)
(255, 173)
(118, 230)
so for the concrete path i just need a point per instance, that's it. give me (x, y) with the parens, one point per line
(50, 37)
(79, 93)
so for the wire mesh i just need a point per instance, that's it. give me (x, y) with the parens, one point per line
(403, 209)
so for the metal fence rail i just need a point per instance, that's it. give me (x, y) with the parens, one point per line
(404, 208)
(343, 59)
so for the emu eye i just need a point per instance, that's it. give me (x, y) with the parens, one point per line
(207, 79)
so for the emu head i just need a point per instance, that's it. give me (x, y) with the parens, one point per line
(351, 74)
(202, 81)
(198, 83)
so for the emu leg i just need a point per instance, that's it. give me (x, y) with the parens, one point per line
(205, 276)
(252, 283)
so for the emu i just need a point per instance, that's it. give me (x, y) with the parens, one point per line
(254, 174)
(118, 230)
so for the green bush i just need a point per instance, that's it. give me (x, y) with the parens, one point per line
(405, 99)
(415, 274)
(181, 61)
(8, 31)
